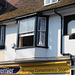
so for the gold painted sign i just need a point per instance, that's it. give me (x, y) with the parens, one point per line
(38, 68)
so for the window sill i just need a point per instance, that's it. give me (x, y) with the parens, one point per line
(18, 48)
(24, 47)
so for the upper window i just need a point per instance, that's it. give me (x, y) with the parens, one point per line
(50, 1)
(32, 32)
(2, 37)
(41, 31)
(69, 25)
(26, 32)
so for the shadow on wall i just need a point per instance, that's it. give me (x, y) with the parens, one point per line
(2, 2)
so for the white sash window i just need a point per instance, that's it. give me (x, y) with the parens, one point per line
(50, 1)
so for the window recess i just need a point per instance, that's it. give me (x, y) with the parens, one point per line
(42, 32)
(2, 37)
(69, 26)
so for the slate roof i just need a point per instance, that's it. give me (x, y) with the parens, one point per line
(18, 8)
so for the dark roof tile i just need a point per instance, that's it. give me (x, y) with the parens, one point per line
(22, 7)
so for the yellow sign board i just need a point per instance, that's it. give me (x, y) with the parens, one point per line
(38, 68)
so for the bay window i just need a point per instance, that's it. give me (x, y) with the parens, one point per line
(33, 32)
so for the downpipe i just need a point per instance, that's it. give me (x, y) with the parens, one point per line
(64, 54)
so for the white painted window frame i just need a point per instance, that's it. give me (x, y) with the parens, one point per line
(50, 2)
(26, 33)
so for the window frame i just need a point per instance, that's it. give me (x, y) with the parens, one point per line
(35, 33)
(2, 46)
(50, 2)
(67, 19)
(46, 38)
(25, 32)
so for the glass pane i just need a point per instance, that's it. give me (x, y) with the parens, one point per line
(2, 35)
(41, 38)
(23, 26)
(26, 41)
(42, 24)
(47, 1)
(71, 27)
(54, 1)
(31, 23)
(27, 25)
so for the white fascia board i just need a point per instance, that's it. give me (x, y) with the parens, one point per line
(9, 22)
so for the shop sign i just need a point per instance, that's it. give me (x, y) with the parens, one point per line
(38, 68)
(9, 70)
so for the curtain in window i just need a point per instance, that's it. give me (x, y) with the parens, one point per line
(41, 31)
(27, 25)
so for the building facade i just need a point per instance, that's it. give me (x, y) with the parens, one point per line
(37, 37)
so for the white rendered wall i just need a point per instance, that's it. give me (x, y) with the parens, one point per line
(2, 55)
(54, 36)
(25, 53)
(11, 37)
(31, 53)
(68, 45)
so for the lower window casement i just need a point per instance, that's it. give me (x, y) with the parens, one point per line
(26, 40)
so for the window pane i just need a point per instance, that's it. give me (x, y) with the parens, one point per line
(27, 25)
(42, 24)
(41, 38)
(2, 35)
(47, 1)
(54, 1)
(31, 23)
(23, 26)
(41, 31)
(26, 41)
(71, 27)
